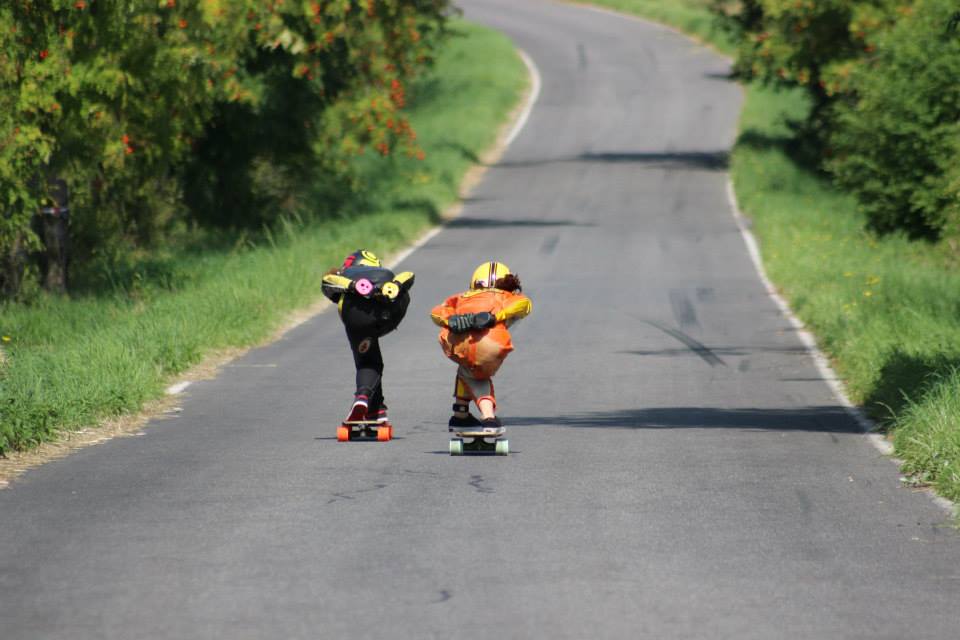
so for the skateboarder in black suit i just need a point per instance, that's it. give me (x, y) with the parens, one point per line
(372, 301)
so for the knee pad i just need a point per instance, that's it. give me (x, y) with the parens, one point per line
(490, 398)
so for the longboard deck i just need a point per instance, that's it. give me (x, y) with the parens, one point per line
(480, 434)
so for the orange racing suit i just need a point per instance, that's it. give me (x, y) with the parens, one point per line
(481, 351)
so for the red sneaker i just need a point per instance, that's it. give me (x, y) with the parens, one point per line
(380, 415)
(358, 412)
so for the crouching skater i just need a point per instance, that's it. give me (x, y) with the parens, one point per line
(475, 334)
(372, 301)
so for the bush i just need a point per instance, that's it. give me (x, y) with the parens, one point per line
(812, 45)
(126, 98)
(898, 141)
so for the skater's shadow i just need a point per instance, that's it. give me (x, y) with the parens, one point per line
(446, 452)
(358, 440)
(825, 419)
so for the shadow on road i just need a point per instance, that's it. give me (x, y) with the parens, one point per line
(490, 223)
(827, 419)
(708, 160)
(720, 351)
(723, 76)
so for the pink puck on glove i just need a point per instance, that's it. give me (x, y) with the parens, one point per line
(363, 286)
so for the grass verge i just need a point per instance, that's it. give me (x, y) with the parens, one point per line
(690, 16)
(67, 364)
(885, 309)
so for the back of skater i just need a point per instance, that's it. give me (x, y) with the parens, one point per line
(372, 301)
(475, 334)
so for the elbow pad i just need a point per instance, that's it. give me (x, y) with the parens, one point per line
(334, 285)
(404, 280)
(400, 284)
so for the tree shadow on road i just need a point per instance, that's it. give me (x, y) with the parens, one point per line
(702, 160)
(823, 419)
(464, 222)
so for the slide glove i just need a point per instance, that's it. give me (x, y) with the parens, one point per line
(484, 320)
(460, 323)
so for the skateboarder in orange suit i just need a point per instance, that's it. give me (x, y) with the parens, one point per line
(474, 334)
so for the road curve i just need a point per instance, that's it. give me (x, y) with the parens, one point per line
(680, 470)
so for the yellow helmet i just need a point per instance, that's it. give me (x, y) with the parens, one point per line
(486, 275)
(361, 258)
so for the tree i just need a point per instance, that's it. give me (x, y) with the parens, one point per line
(897, 137)
(117, 96)
(814, 44)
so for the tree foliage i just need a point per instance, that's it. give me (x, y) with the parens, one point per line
(148, 106)
(882, 78)
(813, 44)
(897, 140)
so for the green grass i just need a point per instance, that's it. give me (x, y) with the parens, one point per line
(690, 16)
(885, 309)
(71, 363)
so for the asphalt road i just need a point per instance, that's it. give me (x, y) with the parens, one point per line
(680, 470)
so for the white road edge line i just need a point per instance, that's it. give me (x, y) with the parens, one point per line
(535, 84)
(422, 240)
(810, 342)
(174, 389)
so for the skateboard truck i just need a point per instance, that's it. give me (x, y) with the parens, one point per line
(365, 430)
(478, 443)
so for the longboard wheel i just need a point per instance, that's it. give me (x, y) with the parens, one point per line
(503, 447)
(343, 433)
(456, 447)
(385, 433)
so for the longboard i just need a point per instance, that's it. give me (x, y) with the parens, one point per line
(364, 430)
(479, 442)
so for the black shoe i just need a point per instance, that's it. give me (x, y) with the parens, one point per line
(492, 426)
(378, 414)
(459, 424)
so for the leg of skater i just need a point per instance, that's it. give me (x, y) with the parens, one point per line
(377, 409)
(369, 364)
(462, 418)
(483, 395)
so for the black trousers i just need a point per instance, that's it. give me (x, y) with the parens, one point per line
(366, 321)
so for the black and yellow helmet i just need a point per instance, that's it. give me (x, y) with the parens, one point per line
(490, 275)
(361, 258)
